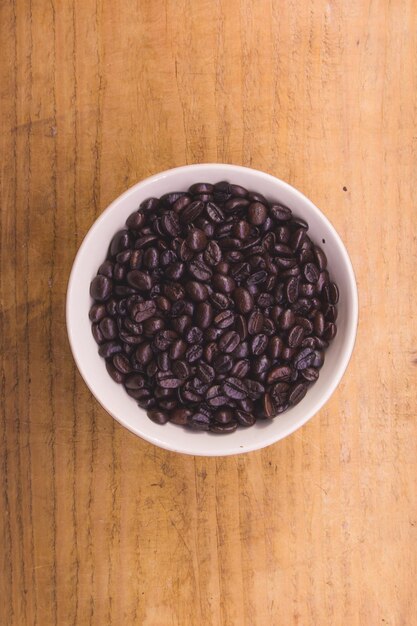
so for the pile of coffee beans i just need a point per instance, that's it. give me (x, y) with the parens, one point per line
(213, 307)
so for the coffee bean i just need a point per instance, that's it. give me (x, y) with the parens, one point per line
(330, 330)
(193, 335)
(297, 394)
(181, 369)
(304, 358)
(101, 288)
(197, 291)
(257, 213)
(223, 284)
(222, 363)
(212, 254)
(229, 341)
(220, 300)
(194, 353)
(234, 388)
(180, 416)
(243, 300)
(240, 368)
(199, 270)
(157, 416)
(196, 239)
(244, 419)
(223, 416)
(215, 397)
(255, 322)
(167, 380)
(259, 344)
(275, 346)
(280, 372)
(311, 272)
(204, 315)
(222, 429)
(295, 336)
(224, 319)
(191, 212)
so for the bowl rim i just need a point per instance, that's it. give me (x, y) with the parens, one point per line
(353, 312)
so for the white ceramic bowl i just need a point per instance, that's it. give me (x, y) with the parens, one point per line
(113, 397)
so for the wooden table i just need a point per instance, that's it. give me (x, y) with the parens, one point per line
(99, 527)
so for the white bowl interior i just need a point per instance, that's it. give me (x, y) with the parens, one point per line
(113, 397)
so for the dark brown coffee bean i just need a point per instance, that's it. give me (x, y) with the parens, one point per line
(223, 416)
(321, 258)
(279, 393)
(229, 341)
(212, 254)
(135, 381)
(244, 419)
(275, 346)
(199, 270)
(143, 310)
(101, 288)
(222, 429)
(193, 335)
(287, 319)
(318, 323)
(204, 315)
(310, 374)
(268, 406)
(234, 388)
(222, 363)
(243, 300)
(153, 325)
(143, 242)
(224, 284)
(279, 373)
(196, 239)
(215, 213)
(330, 330)
(181, 369)
(304, 358)
(180, 416)
(241, 368)
(215, 397)
(323, 280)
(108, 328)
(220, 300)
(97, 313)
(257, 213)
(311, 272)
(199, 421)
(197, 291)
(259, 344)
(109, 349)
(295, 336)
(235, 204)
(194, 353)
(177, 349)
(298, 393)
(255, 322)
(206, 372)
(260, 365)
(191, 212)
(241, 351)
(163, 361)
(222, 268)
(117, 376)
(106, 269)
(164, 339)
(224, 319)
(287, 353)
(168, 380)
(241, 229)
(157, 416)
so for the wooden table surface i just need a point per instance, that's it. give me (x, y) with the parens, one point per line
(99, 527)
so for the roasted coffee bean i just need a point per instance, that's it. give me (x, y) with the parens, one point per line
(199, 270)
(167, 380)
(223, 429)
(295, 336)
(304, 358)
(199, 421)
(240, 368)
(223, 284)
(220, 300)
(243, 300)
(215, 397)
(222, 363)
(122, 363)
(101, 288)
(196, 291)
(235, 204)
(191, 212)
(143, 310)
(159, 417)
(212, 254)
(215, 213)
(229, 341)
(212, 333)
(234, 388)
(279, 393)
(109, 349)
(194, 353)
(259, 344)
(108, 328)
(223, 416)
(222, 268)
(205, 372)
(257, 213)
(311, 272)
(224, 319)
(193, 335)
(106, 269)
(260, 365)
(163, 361)
(115, 374)
(181, 369)
(241, 327)
(297, 393)
(241, 351)
(196, 239)
(275, 346)
(330, 330)
(244, 419)
(204, 315)
(97, 313)
(255, 322)
(268, 406)
(180, 416)
(280, 372)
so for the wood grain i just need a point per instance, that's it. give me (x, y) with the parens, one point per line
(98, 527)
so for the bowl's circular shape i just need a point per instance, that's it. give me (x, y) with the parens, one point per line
(113, 397)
